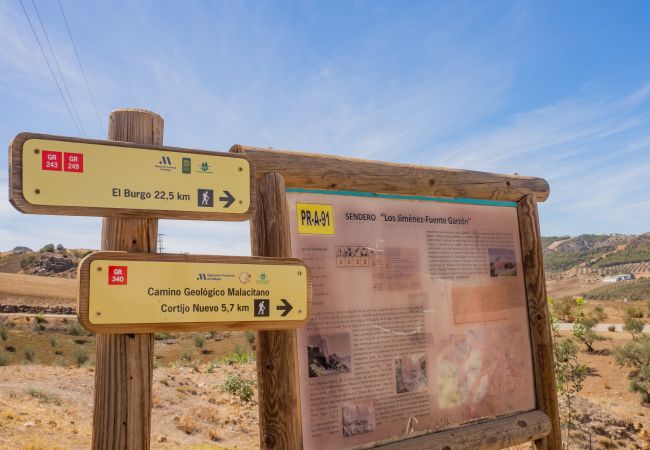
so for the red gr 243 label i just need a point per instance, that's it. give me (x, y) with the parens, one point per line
(117, 274)
(51, 160)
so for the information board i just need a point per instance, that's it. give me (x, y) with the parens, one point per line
(138, 291)
(88, 176)
(419, 316)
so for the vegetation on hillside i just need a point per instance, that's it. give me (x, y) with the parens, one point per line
(632, 290)
(580, 249)
(548, 240)
(636, 251)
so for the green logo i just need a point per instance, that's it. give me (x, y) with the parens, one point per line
(204, 166)
(187, 165)
(263, 279)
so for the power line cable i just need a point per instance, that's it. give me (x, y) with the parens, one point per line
(56, 62)
(83, 72)
(49, 66)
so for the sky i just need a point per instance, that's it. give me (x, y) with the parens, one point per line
(558, 90)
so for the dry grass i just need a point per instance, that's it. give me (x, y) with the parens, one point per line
(35, 290)
(188, 425)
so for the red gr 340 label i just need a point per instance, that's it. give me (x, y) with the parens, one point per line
(117, 274)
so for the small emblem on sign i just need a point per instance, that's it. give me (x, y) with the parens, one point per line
(165, 164)
(51, 160)
(187, 165)
(245, 277)
(263, 279)
(117, 275)
(261, 307)
(206, 198)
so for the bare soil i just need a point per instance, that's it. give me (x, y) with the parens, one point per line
(19, 289)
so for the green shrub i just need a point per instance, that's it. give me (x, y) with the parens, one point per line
(162, 336)
(49, 248)
(53, 342)
(599, 313)
(27, 261)
(636, 355)
(4, 334)
(29, 354)
(634, 326)
(239, 356)
(186, 356)
(44, 397)
(569, 376)
(4, 359)
(250, 337)
(564, 309)
(80, 357)
(634, 312)
(199, 340)
(74, 329)
(235, 384)
(584, 327)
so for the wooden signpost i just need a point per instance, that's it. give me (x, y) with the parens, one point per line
(310, 201)
(145, 293)
(132, 180)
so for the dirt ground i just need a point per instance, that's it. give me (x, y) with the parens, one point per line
(18, 289)
(42, 405)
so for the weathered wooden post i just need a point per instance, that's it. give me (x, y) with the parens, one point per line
(123, 376)
(539, 319)
(277, 364)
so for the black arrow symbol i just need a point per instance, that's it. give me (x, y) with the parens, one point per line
(228, 199)
(286, 308)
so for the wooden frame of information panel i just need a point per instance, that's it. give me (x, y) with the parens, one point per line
(18, 200)
(312, 171)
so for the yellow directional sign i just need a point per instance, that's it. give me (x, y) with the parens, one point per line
(55, 175)
(144, 292)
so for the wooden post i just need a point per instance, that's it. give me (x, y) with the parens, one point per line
(539, 319)
(123, 376)
(277, 360)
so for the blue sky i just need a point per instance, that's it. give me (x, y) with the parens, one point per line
(559, 90)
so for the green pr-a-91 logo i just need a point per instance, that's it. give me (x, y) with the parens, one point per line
(187, 165)
(204, 166)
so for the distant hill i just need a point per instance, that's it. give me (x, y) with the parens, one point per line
(56, 261)
(629, 253)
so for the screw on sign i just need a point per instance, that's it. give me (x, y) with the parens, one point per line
(117, 275)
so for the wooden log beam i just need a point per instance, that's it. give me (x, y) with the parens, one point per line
(277, 361)
(539, 319)
(492, 435)
(315, 171)
(124, 371)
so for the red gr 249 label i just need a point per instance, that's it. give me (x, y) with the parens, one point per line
(117, 274)
(73, 162)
